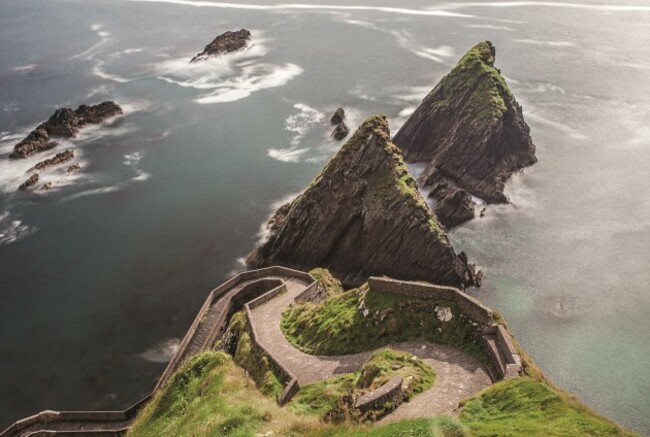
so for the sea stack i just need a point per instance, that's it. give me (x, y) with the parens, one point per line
(227, 42)
(65, 123)
(363, 215)
(471, 132)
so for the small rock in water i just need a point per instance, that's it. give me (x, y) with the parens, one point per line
(340, 131)
(73, 168)
(338, 116)
(227, 42)
(33, 179)
(47, 186)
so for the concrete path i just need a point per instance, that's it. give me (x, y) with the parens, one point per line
(459, 375)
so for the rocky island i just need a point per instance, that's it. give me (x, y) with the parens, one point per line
(227, 42)
(471, 132)
(64, 123)
(341, 130)
(363, 215)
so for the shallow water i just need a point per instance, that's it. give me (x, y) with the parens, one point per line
(102, 274)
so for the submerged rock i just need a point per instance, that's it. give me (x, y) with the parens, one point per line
(73, 168)
(338, 117)
(470, 128)
(63, 123)
(363, 215)
(227, 42)
(340, 131)
(57, 159)
(453, 205)
(33, 180)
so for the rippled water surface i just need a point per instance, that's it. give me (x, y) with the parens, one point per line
(102, 275)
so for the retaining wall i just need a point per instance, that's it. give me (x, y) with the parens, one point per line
(389, 392)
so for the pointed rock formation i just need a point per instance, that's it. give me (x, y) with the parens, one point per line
(363, 215)
(470, 129)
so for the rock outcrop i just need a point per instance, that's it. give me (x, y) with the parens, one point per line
(341, 130)
(227, 42)
(30, 182)
(453, 206)
(57, 159)
(363, 215)
(470, 130)
(66, 123)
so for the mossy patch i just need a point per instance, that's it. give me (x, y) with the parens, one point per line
(363, 319)
(327, 281)
(323, 398)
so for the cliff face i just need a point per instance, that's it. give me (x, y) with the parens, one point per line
(363, 216)
(470, 129)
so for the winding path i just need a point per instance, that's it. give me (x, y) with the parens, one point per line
(459, 375)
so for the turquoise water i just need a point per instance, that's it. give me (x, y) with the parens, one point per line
(101, 275)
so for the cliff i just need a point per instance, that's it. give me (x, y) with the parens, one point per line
(66, 123)
(363, 216)
(471, 132)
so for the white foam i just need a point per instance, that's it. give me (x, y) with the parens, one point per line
(162, 352)
(301, 122)
(253, 78)
(12, 229)
(520, 4)
(546, 43)
(25, 68)
(407, 41)
(264, 232)
(314, 7)
(104, 38)
(489, 27)
(289, 154)
(99, 72)
(568, 130)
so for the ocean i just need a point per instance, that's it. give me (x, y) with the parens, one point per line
(102, 275)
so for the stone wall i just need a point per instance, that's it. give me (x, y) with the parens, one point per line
(467, 304)
(375, 400)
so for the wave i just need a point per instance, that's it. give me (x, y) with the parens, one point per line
(301, 122)
(519, 4)
(264, 232)
(489, 27)
(12, 229)
(314, 7)
(289, 154)
(546, 43)
(230, 77)
(104, 38)
(99, 72)
(25, 68)
(407, 41)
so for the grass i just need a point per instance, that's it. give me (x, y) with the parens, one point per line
(363, 319)
(323, 397)
(211, 396)
(327, 281)
(253, 359)
(525, 406)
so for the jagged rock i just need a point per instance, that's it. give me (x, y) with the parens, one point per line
(47, 186)
(227, 42)
(57, 159)
(338, 116)
(63, 123)
(453, 205)
(73, 168)
(470, 128)
(33, 180)
(363, 215)
(482, 214)
(340, 131)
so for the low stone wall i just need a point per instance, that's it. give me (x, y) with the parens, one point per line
(375, 400)
(493, 338)
(467, 304)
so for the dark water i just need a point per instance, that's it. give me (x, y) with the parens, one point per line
(100, 275)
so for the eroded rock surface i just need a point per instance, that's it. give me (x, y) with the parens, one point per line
(57, 159)
(471, 130)
(363, 215)
(65, 123)
(227, 42)
(30, 182)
